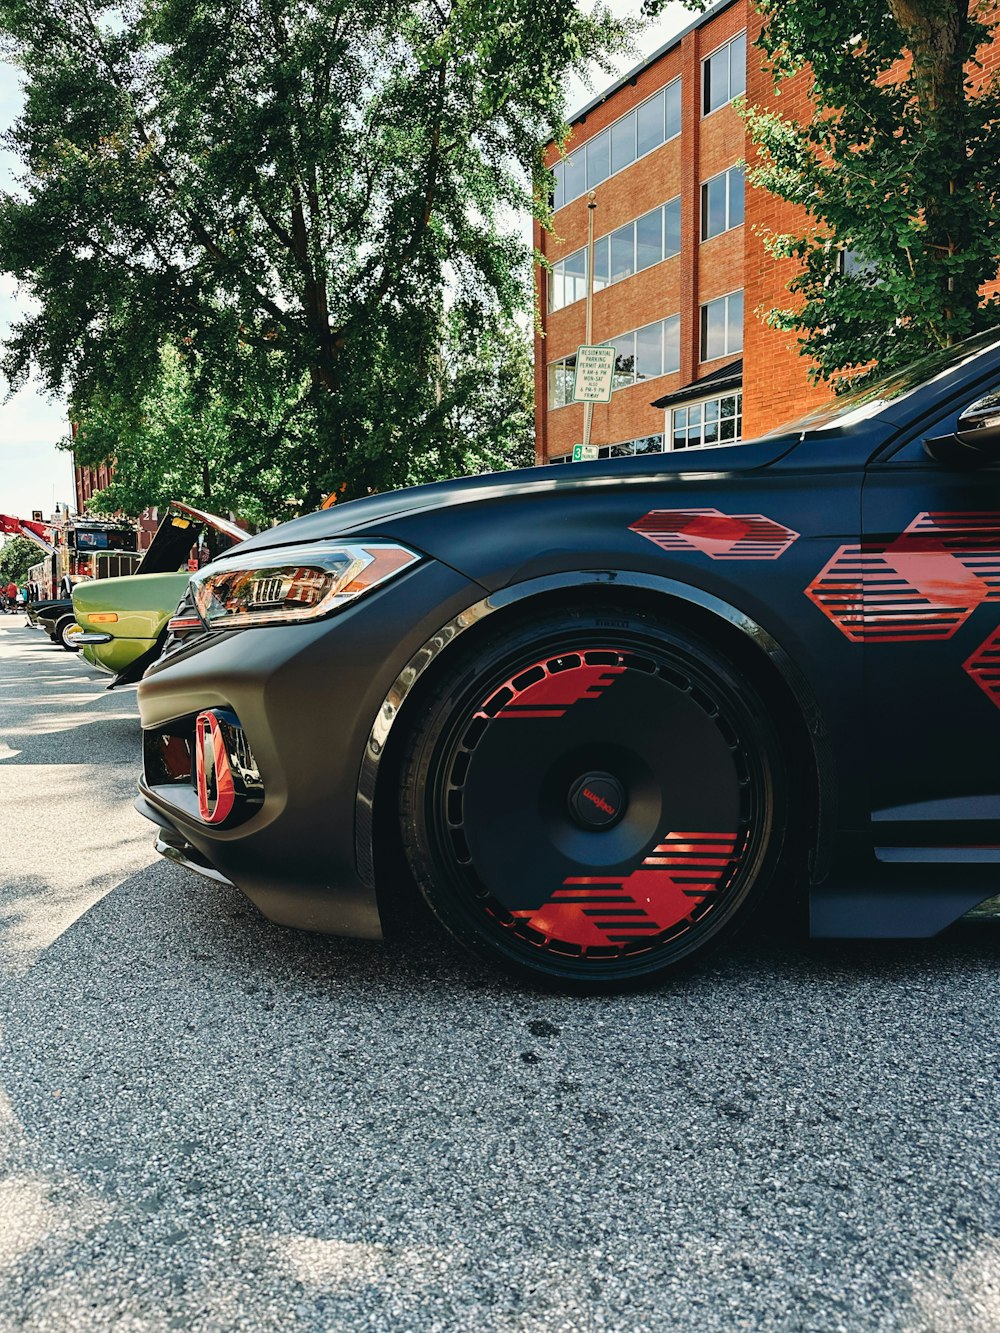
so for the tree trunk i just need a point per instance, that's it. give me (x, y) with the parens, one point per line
(938, 37)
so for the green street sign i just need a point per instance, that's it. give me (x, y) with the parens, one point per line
(584, 453)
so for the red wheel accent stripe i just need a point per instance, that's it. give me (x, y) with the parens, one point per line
(554, 692)
(211, 754)
(598, 910)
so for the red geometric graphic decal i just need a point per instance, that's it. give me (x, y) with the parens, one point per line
(549, 688)
(672, 880)
(922, 586)
(721, 536)
(984, 667)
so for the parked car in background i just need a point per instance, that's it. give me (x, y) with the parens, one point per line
(36, 606)
(57, 619)
(121, 623)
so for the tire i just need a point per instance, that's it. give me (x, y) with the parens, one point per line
(593, 799)
(66, 631)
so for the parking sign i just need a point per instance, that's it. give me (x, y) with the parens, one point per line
(595, 369)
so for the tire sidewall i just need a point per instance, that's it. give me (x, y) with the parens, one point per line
(62, 629)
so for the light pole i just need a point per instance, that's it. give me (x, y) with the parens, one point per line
(588, 407)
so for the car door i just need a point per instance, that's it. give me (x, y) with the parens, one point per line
(929, 570)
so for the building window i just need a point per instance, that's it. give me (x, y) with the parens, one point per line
(636, 246)
(722, 203)
(647, 353)
(715, 421)
(642, 354)
(647, 444)
(562, 377)
(852, 263)
(724, 74)
(722, 326)
(638, 132)
(568, 280)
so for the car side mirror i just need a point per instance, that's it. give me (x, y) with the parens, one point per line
(975, 441)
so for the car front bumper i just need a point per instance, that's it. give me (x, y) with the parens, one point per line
(304, 698)
(110, 653)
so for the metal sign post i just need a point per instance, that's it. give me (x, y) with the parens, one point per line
(595, 366)
(588, 411)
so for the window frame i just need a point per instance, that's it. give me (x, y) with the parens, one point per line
(670, 342)
(729, 351)
(723, 46)
(619, 449)
(557, 274)
(559, 199)
(671, 429)
(726, 175)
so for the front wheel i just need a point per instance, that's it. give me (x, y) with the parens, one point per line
(66, 634)
(593, 798)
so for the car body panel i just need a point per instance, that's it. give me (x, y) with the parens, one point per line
(143, 604)
(48, 614)
(252, 673)
(741, 536)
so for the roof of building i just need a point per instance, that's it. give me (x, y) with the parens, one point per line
(725, 377)
(713, 12)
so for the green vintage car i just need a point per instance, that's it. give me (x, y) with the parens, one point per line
(123, 621)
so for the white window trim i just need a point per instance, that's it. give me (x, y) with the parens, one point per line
(609, 342)
(619, 444)
(613, 282)
(610, 126)
(668, 433)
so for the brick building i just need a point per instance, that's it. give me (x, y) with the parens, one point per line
(680, 271)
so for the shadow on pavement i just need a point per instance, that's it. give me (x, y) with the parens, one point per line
(216, 1123)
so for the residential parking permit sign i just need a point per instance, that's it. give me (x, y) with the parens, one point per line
(595, 369)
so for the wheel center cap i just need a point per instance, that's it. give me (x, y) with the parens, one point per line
(597, 801)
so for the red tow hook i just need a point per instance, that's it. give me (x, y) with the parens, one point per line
(216, 789)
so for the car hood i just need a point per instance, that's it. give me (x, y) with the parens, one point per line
(177, 533)
(371, 515)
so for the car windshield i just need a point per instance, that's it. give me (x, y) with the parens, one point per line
(864, 401)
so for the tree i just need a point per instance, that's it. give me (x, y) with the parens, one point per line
(181, 441)
(896, 166)
(16, 557)
(283, 192)
(472, 412)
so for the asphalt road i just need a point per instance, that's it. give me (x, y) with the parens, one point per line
(211, 1123)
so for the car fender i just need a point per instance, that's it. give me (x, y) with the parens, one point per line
(673, 590)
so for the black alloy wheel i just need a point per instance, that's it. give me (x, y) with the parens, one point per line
(593, 798)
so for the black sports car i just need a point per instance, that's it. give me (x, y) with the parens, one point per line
(592, 708)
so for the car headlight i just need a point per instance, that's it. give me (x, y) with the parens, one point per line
(293, 583)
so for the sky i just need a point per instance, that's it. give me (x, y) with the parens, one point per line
(34, 474)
